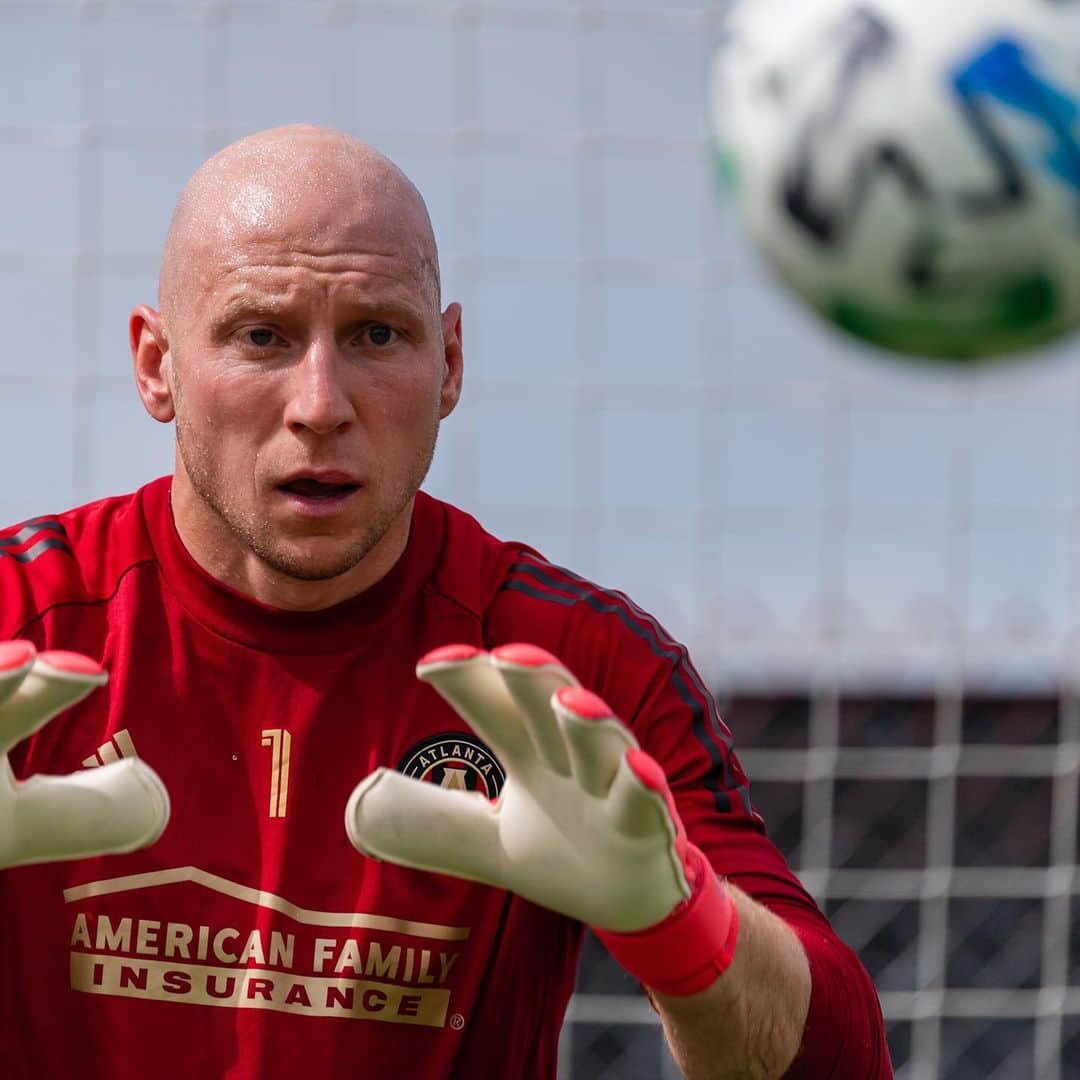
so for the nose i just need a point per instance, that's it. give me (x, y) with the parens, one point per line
(318, 400)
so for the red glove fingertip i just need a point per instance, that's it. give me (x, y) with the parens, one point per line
(525, 655)
(15, 654)
(583, 703)
(648, 771)
(70, 663)
(446, 654)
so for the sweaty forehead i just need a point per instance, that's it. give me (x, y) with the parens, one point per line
(261, 227)
(302, 198)
(320, 214)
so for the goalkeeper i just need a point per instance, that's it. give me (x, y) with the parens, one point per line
(237, 829)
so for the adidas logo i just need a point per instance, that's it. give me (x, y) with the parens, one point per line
(119, 746)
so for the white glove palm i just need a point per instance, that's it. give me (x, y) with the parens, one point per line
(115, 808)
(578, 828)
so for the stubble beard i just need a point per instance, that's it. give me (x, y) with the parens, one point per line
(259, 537)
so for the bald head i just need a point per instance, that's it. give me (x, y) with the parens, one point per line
(300, 188)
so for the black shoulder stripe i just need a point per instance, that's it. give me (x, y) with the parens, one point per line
(29, 529)
(31, 553)
(557, 585)
(46, 520)
(635, 618)
(538, 594)
(646, 626)
(607, 601)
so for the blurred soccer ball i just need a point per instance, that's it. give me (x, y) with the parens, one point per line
(911, 167)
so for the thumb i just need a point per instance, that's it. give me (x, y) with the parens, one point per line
(417, 824)
(109, 810)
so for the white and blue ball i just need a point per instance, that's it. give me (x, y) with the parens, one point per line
(911, 167)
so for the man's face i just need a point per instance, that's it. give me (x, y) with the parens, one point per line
(310, 368)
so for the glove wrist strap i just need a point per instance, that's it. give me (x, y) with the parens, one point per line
(690, 949)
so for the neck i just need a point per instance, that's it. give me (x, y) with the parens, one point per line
(218, 551)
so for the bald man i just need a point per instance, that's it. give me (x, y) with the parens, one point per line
(266, 848)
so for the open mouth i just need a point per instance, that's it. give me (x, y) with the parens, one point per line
(309, 488)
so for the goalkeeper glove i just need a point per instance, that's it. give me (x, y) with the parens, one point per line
(115, 808)
(585, 825)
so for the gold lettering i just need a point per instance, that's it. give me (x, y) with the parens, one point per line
(254, 988)
(219, 944)
(280, 742)
(253, 950)
(350, 957)
(178, 940)
(324, 950)
(383, 966)
(409, 955)
(340, 995)
(176, 982)
(110, 940)
(211, 986)
(133, 977)
(80, 932)
(446, 961)
(204, 939)
(423, 976)
(281, 948)
(146, 937)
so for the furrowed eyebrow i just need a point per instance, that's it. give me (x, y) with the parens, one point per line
(387, 311)
(249, 307)
(269, 307)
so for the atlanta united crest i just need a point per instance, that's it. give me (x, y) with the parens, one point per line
(455, 760)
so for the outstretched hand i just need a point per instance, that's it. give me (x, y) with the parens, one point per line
(585, 825)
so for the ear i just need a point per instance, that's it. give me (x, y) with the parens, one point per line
(153, 363)
(453, 360)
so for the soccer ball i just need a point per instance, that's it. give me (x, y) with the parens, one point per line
(911, 167)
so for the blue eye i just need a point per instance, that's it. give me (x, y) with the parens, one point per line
(379, 334)
(261, 337)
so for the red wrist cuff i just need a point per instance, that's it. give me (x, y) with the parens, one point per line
(688, 950)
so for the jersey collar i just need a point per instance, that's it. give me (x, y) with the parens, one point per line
(240, 618)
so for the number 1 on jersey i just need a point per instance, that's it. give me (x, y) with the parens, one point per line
(279, 741)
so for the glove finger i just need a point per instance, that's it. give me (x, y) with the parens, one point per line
(423, 826)
(56, 681)
(595, 739)
(532, 675)
(16, 660)
(641, 802)
(464, 677)
(113, 809)
(641, 805)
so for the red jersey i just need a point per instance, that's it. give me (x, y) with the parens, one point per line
(252, 940)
